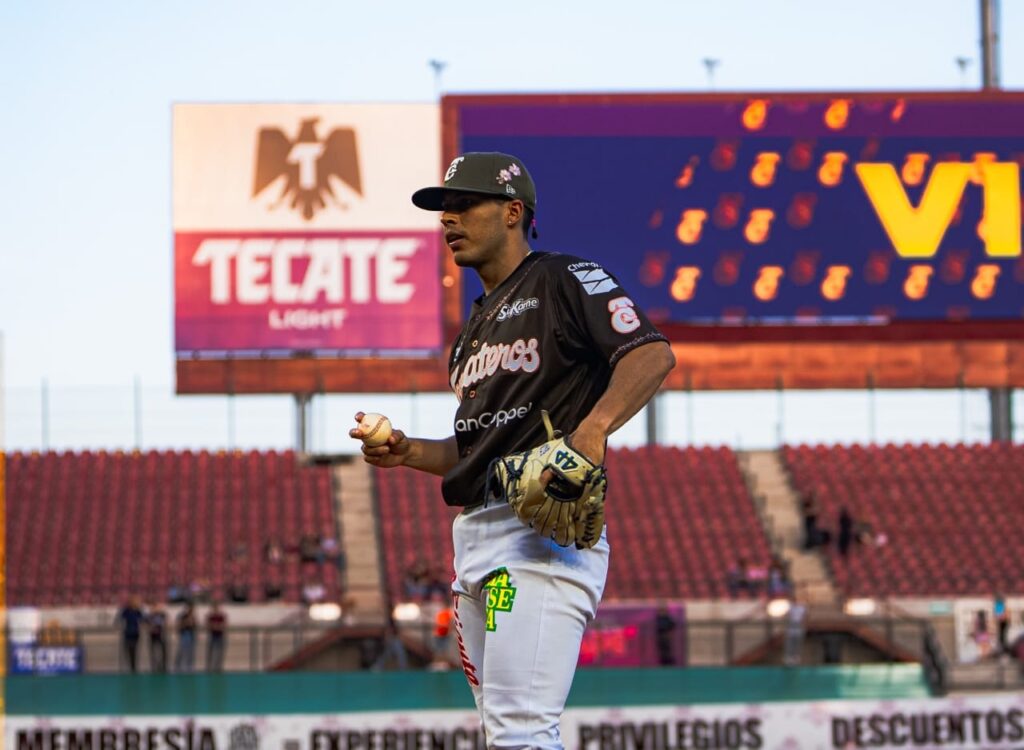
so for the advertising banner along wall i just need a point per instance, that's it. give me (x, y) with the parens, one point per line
(294, 232)
(993, 721)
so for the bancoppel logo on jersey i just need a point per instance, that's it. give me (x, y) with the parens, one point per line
(517, 308)
(492, 418)
(594, 278)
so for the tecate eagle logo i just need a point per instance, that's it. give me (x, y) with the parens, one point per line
(517, 308)
(595, 280)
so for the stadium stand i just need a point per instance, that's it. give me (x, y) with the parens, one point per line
(93, 528)
(680, 518)
(949, 516)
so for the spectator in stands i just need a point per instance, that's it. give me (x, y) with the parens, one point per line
(438, 583)
(273, 556)
(810, 510)
(313, 590)
(329, 547)
(980, 635)
(238, 589)
(273, 551)
(845, 532)
(1017, 644)
(273, 586)
(216, 638)
(441, 638)
(795, 630)
(392, 649)
(184, 660)
(757, 577)
(1002, 623)
(664, 627)
(736, 578)
(199, 591)
(177, 592)
(778, 585)
(310, 550)
(156, 621)
(130, 618)
(416, 582)
(443, 628)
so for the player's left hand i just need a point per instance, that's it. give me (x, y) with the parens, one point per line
(591, 443)
(555, 488)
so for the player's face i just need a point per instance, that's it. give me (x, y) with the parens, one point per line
(475, 227)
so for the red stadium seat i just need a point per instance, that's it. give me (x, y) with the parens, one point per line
(136, 523)
(951, 515)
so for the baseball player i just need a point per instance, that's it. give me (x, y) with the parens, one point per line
(554, 340)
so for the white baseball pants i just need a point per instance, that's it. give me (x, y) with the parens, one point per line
(522, 604)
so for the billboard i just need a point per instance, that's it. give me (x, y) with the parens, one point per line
(768, 211)
(294, 232)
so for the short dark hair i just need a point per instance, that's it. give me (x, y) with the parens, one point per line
(527, 221)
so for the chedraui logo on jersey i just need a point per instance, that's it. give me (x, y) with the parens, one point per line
(595, 280)
(501, 595)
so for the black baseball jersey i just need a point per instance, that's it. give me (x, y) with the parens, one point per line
(546, 338)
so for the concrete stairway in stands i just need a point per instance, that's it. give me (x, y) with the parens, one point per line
(780, 507)
(353, 499)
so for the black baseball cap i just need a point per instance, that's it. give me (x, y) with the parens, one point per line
(486, 173)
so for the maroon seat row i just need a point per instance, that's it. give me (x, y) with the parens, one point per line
(96, 527)
(929, 520)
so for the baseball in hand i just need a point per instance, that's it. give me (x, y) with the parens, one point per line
(376, 429)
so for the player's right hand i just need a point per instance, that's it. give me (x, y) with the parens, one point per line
(394, 452)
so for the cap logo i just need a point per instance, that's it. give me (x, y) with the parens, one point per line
(509, 189)
(506, 174)
(453, 167)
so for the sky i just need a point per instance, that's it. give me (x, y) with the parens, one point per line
(85, 266)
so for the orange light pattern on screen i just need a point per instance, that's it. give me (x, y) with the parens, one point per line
(898, 109)
(755, 114)
(685, 178)
(684, 285)
(983, 285)
(916, 284)
(981, 159)
(833, 286)
(830, 173)
(766, 288)
(758, 225)
(913, 168)
(838, 114)
(762, 173)
(691, 223)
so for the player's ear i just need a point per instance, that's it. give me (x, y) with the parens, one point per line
(513, 212)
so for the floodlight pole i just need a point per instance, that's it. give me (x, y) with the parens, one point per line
(989, 44)
(303, 404)
(1000, 401)
(438, 67)
(651, 413)
(710, 63)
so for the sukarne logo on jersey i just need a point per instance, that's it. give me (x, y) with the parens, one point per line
(308, 165)
(519, 356)
(518, 307)
(594, 278)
